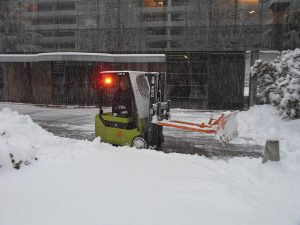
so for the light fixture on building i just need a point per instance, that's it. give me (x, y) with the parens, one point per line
(252, 12)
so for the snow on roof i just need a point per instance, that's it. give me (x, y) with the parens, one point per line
(83, 57)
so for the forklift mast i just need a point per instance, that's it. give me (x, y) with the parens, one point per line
(159, 109)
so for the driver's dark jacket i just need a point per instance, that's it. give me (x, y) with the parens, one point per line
(122, 98)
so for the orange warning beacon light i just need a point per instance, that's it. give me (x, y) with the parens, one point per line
(107, 80)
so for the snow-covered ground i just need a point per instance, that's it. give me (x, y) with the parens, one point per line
(88, 182)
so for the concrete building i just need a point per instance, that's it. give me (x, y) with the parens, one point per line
(151, 25)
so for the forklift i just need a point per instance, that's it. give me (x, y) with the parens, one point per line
(138, 130)
(151, 112)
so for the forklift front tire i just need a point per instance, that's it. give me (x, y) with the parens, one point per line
(139, 143)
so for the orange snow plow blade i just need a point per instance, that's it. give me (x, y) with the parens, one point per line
(224, 127)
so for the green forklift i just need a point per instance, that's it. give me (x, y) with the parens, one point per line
(141, 129)
(150, 113)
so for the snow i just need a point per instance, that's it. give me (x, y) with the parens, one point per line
(264, 122)
(88, 182)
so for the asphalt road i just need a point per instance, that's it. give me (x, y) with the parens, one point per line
(75, 122)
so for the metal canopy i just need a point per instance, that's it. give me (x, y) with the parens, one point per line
(84, 57)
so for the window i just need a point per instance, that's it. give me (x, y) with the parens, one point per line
(89, 22)
(156, 31)
(46, 7)
(65, 34)
(53, 6)
(176, 31)
(157, 44)
(48, 45)
(177, 17)
(31, 7)
(66, 45)
(46, 33)
(179, 2)
(63, 6)
(155, 17)
(155, 3)
(142, 86)
(44, 21)
(66, 20)
(175, 44)
(52, 20)
(57, 33)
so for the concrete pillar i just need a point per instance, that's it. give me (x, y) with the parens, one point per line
(253, 81)
(271, 151)
(1, 82)
(278, 9)
(169, 5)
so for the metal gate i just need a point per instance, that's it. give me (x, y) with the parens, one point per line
(226, 80)
(206, 80)
(187, 79)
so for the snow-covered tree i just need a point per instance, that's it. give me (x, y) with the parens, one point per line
(289, 82)
(14, 36)
(266, 74)
(279, 83)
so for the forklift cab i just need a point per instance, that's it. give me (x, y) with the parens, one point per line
(147, 96)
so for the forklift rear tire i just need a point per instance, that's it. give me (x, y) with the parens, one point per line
(139, 143)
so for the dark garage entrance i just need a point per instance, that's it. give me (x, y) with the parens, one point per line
(206, 80)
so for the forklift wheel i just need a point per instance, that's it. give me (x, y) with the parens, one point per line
(139, 143)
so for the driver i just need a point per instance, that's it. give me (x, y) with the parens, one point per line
(122, 99)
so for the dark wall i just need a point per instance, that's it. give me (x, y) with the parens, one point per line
(17, 86)
(27, 83)
(59, 82)
(226, 81)
(40, 82)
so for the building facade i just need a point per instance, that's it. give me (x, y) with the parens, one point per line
(154, 25)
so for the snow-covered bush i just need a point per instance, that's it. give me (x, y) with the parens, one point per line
(278, 83)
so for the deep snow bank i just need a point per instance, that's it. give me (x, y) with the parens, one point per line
(19, 139)
(24, 142)
(263, 122)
